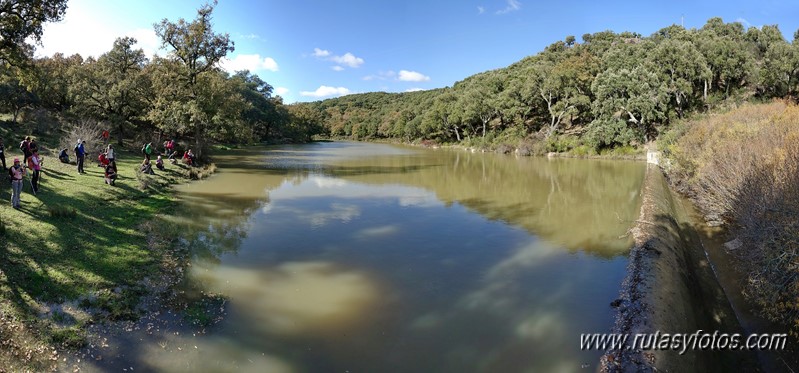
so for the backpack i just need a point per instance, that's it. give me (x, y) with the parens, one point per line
(22, 146)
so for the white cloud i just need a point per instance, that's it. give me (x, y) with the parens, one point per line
(381, 75)
(412, 76)
(743, 21)
(320, 52)
(337, 68)
(347, 59)
(281, 91)
(481, 10)
(83, 32)
(513, 5)
(325, 91)
(251, 62)
(414, 89)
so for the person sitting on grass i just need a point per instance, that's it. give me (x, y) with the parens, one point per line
(63, 157)
(189, 158)
(147, 168)
(110, 173)
(159, 163)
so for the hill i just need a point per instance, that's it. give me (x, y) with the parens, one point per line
(612, 90)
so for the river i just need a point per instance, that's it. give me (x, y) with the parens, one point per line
(362, 257)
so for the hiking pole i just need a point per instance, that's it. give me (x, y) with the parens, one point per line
(31, 181)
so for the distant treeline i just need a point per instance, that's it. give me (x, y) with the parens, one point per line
(610, 90)
(182, 94)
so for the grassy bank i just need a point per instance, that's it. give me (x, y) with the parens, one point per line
(742, 168)
(77, 252)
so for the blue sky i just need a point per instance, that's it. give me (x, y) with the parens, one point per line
(310, 50)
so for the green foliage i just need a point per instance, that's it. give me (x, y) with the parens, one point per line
(615, 89)
(21, 20)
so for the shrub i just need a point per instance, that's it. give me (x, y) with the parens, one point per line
(504, 149)
(743, 167)
(90, 131)
(62, 211)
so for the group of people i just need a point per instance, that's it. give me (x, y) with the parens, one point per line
(32, 162)
(16, 173)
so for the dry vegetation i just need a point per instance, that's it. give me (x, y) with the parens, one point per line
(742, 167)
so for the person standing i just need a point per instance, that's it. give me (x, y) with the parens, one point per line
(148, 151)
(36, 166)
(25, 146)
(16, 173)
(3, 154)
(80, 152)
(109, 153)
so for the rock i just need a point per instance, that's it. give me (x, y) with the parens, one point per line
(733, 245)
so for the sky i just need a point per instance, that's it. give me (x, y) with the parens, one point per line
(315, 49)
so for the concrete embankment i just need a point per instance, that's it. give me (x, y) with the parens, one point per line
(670, 288)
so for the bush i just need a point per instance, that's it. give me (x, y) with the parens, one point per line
(62, 211)
(90, 131)
(504, 149)
(743, 167)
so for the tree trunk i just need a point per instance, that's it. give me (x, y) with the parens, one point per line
(457, 134)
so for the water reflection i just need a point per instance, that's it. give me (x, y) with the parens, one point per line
(346, 256)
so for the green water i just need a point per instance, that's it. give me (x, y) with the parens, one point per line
(363, 257)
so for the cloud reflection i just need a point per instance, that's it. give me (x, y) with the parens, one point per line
(296, 297)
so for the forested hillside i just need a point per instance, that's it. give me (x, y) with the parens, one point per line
(607, 91)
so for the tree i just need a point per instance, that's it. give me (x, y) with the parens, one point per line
(636, 95)
(21, 20)
(566, 87)
(54, 77)
(14, 96)
(480, 99)
(683, 69)
(780, 74)
(113, 88)
(195, 51)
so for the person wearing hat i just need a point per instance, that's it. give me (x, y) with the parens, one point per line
(16, 173)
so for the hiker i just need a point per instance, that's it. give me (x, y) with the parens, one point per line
(80, 152)
(63, 157)
(33, 146)
(3, 153)
(188, 158)
(16, 173)
(147, 150)
(170, 150)
(110, 173)
(26, 149)
(103, 160)
(147, 168)
(159, 163)
(109, 153)
(35, 164)
(106, 135)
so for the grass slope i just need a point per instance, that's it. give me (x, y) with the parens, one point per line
(77, 240)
